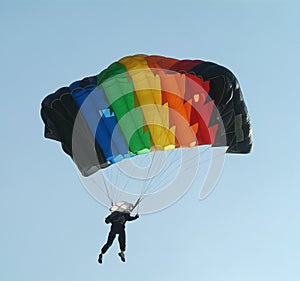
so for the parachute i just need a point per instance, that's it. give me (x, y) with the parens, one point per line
(143, 104)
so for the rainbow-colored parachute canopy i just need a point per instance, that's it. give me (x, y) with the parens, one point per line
(145, 103)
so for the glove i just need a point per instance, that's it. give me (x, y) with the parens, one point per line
(137, 216)
(106, 221)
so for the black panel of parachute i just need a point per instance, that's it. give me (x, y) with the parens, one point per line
(226, 92)
(59, 112)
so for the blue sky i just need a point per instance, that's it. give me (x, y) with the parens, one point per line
(247, 229)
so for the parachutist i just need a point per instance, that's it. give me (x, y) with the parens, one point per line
(117, 220)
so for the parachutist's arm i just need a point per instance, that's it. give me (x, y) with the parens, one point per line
(107, 219)
(130, 218)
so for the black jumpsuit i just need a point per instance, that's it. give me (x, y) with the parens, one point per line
(117, 220)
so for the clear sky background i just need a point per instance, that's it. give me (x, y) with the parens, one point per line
(247, 229)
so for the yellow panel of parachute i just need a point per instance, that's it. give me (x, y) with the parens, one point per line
(147, 87)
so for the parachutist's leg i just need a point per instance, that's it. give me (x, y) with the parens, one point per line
(122, 240)
(122, 243)
(110, 240)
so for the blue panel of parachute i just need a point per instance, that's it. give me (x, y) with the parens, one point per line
(101, 120)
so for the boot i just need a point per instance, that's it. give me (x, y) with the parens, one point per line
(122, 256)
(100, 258)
